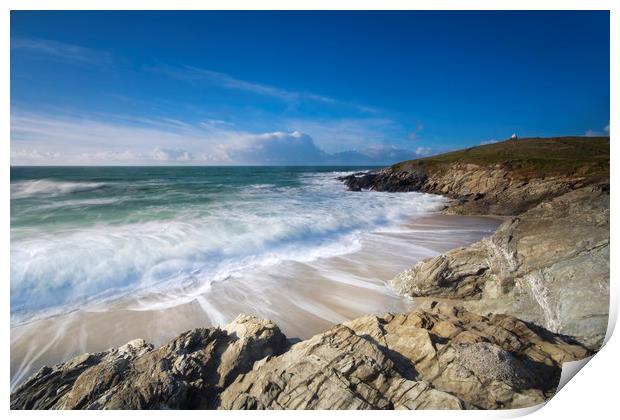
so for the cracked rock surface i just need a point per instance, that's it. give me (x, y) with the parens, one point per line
(187, 372)
(549, 266)
(437, 357)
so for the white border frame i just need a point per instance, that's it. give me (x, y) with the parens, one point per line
(592, 394)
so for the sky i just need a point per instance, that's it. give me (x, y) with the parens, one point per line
(292, 88)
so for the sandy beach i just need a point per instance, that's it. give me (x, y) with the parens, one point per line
(302, 298)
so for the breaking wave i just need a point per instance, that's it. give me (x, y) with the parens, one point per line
(182, 247)
(44, 187)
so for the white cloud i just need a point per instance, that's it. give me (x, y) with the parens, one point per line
(229, 82)
(211, 123)
(172, 155)
(129, 141)
(596, 133)
(482, 143)
(44, 139)
(34, 156)
(334, 136)
(200, 75)
(62, 50)
(423, 151)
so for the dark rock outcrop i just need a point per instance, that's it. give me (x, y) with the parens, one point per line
(506, 178)
(474, 189)
(385, 180)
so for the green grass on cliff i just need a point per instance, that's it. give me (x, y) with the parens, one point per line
(588, 156)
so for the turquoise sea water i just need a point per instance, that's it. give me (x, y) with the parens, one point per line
(81, 234)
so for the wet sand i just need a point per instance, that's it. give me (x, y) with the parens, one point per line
(302, 298)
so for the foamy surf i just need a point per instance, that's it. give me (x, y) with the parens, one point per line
(68, 264)
(155, 253)
(44, 187)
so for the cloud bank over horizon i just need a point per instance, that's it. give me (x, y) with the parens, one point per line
(39, 139)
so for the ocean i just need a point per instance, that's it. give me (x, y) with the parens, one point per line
(102, 255)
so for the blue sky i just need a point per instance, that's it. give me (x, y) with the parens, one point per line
(298, 87)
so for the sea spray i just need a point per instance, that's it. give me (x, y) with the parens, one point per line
(81, 235)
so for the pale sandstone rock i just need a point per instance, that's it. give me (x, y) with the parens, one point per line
(188, 372)
(437, 357)
(334, 370)
(448, 357)
(550, 266)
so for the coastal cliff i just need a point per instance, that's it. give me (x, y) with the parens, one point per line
(493, 325)
(504, 178)
(548, 263)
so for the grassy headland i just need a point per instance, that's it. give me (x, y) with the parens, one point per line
(528, 157)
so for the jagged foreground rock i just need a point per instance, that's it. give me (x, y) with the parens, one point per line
(549, 265)
(188, 372)
(437, 357)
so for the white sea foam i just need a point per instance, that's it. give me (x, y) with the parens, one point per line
(45, 187)
(80, 203)
(181, 256)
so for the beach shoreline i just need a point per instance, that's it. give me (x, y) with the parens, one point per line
(303, 298)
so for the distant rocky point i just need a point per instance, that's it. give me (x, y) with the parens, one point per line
(504, 178)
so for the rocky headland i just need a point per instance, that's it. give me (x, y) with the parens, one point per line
(493, 325)
(548, 263)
